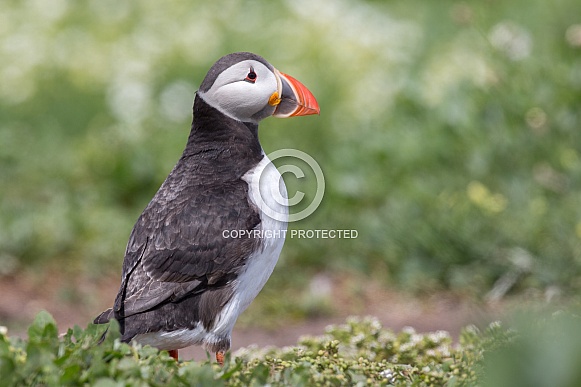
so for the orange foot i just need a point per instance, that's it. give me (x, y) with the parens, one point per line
(220, 357)
(173, 353)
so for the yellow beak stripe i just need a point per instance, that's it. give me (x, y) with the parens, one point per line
(274, 99)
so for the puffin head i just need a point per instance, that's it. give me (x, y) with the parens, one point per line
(245, 87)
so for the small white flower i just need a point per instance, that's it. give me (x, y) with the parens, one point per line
(388, 374)
(357, 338)
(444, 351)
(512, 39)
(438, 336)
(416, 339)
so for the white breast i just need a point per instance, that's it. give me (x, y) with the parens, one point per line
(267, 192)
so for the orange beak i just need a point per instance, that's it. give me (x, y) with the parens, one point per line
(295, 98)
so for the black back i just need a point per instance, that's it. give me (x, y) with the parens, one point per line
(178, 267)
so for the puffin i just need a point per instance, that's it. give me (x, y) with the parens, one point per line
(207, 242)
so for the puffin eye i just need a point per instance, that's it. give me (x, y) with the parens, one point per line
(251, 76)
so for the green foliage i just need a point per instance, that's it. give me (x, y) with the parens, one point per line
(541, 350)
(449, 131)
(545, 352)
(359, 352)
(76, 358)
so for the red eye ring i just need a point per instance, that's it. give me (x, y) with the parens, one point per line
(251, 76)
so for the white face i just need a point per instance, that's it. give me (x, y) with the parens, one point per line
(243, 90)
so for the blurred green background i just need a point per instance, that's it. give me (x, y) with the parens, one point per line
(449, 134)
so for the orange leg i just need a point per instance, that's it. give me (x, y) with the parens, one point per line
(173, 353)
(220, 357)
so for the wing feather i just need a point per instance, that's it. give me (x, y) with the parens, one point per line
(177, 247)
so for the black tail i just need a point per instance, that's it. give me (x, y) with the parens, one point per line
(104, 317)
